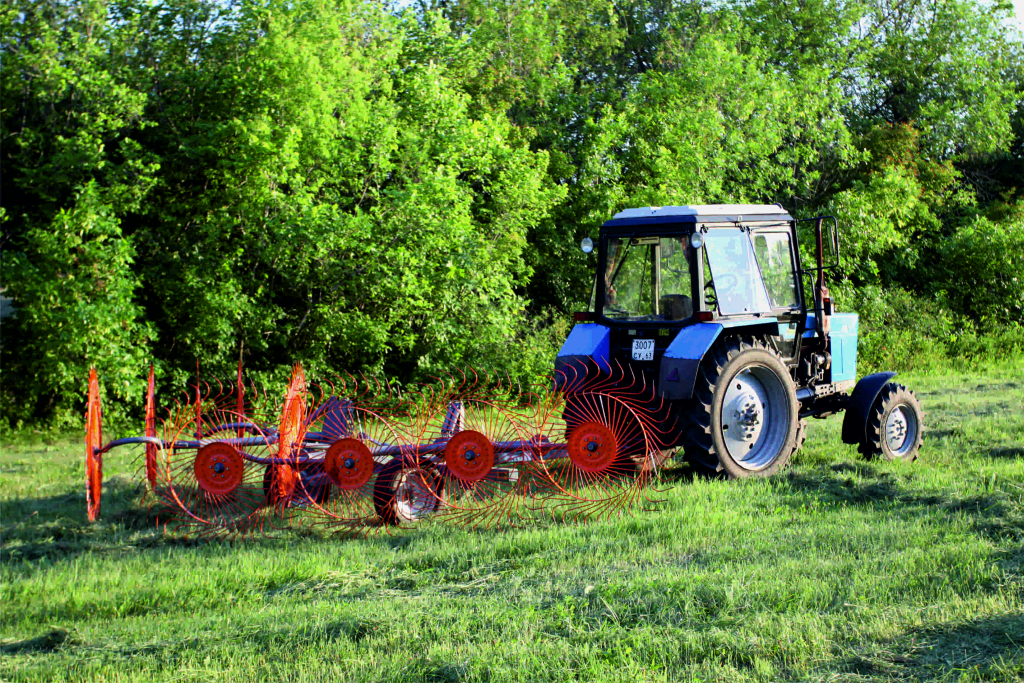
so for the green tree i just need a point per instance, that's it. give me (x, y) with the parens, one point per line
(73, 168)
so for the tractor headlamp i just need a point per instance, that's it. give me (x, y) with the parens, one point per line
(696, 240)
(587, 245)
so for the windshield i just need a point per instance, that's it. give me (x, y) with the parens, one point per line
(648, 278)
(736, 278)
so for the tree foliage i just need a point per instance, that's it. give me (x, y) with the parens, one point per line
(393, 189)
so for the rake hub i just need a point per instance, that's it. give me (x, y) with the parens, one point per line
(469, 455)
(349, 464)
(218, 468)
(592, 447)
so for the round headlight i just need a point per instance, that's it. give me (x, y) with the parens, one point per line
(587, 245)
(696, 240)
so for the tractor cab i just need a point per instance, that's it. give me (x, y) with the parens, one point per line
(662, 270)
(672, 266)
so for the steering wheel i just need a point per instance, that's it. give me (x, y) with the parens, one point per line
(710, 296)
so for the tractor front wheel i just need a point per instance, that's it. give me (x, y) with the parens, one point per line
(894, 425)
(744, 417)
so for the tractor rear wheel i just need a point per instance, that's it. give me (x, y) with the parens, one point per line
(893, 428)
(743, 419)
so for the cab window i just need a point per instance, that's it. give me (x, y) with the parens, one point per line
(648, 278)
(775, 258)
(736, 279)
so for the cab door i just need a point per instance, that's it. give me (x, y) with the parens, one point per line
(773, 251)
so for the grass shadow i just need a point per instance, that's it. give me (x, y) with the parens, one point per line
(48, 642)
(981, 649)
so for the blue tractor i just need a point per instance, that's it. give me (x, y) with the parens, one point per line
(709, 306)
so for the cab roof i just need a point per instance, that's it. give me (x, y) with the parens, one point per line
(699, 213)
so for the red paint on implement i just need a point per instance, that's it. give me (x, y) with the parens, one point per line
(240, 397)
(218, 468)
(151, 431)
(293, 414)
(93, 441)
(469, 455)
(592, 447)
(349, 464)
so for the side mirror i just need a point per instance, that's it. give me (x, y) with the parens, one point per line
(587, 245)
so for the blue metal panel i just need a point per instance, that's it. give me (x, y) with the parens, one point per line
(810, 329)
(843, 346)
(682, 358)
(694, 341)
(648, 220)
(689, 218)
(590, 340)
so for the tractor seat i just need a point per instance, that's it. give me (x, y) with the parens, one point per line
(676, 306)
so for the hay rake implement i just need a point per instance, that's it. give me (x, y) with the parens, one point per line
(353, 456)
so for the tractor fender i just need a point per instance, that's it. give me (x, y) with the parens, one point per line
(679, 365)
(678, 372)
(863, 397)
(587, 343)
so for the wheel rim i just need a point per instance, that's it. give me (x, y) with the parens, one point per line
(592, 447)
(755, 417)
(469, 456)
(901, 430)
(218, 468)
(414, 497)
(349, 464)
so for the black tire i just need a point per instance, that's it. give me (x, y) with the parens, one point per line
(894, 428)
(397, 482)
(801, 435)
(269, 498)
(742, 372)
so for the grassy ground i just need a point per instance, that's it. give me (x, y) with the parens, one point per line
(838, 570)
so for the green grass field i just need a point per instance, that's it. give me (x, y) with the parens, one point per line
(837, 570)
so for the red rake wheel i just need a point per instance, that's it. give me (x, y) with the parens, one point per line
(151, 449)
(477, 445)
(93, 443)
(605, 438)
(592, 447)
(282, 479)
(340, 485)
(348, 464)
(293, 414)
(469, 456)
(213, 487)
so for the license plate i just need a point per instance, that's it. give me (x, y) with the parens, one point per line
(643, 349)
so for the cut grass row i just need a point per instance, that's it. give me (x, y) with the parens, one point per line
(837, 570)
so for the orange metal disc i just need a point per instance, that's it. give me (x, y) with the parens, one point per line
(469, 456)
(293, 414)
(349, 463)
(151, 431)
(93, 441)
(218, 468)
(592, 447)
